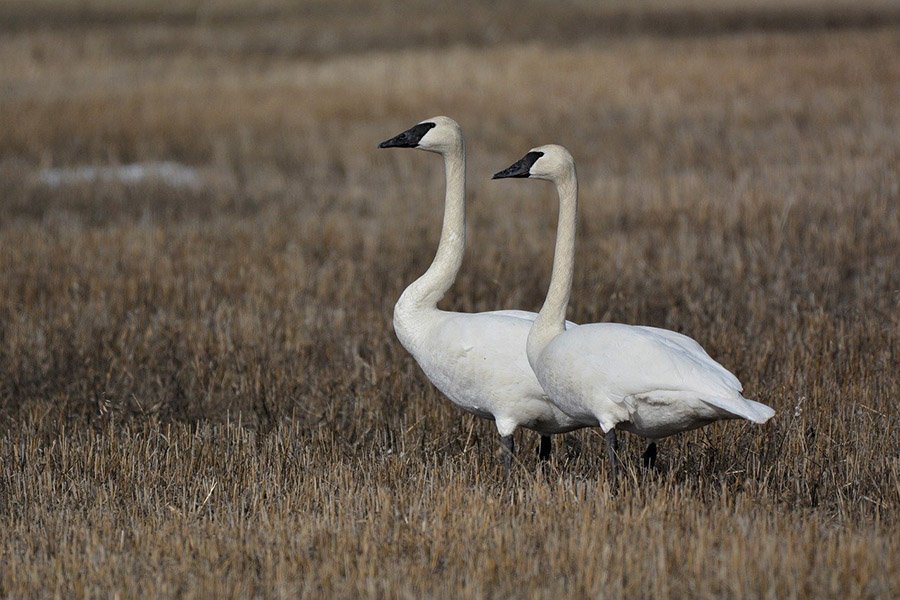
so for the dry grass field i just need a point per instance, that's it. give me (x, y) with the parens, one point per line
(200, 391)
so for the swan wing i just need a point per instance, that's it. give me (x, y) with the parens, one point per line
(743, 407)
(694, 349)
(624, 362)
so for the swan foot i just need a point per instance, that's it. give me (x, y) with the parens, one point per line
(649, 456)
(612, 451)
(545, 449)
(509, 449)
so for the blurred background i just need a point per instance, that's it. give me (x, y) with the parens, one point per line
(200, 248)
(205, 173)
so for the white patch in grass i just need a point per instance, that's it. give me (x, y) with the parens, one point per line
(169, 173)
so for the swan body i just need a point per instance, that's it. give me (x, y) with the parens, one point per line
(477, 360)
(648, 381)
(642, 380)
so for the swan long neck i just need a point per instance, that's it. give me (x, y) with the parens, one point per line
(427, 290)
(551, 320)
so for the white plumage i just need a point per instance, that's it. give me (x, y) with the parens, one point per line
(649, 381)
(641, 379)
(476, 359)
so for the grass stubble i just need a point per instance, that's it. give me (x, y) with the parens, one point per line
(200, 391)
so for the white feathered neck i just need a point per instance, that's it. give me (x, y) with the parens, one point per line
(551, 321)
(426, 291)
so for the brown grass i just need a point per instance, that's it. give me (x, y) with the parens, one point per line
(200, 391)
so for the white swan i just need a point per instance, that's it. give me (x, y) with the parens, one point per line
(649, 381)
(476, 359)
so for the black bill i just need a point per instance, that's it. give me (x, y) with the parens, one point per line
(409, 138)
(522, 168)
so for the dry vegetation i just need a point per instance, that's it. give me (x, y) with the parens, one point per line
(200, 391)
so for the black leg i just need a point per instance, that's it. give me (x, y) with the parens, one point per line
(509, 449)
(649, 456)
(612, 448)
(546, 446)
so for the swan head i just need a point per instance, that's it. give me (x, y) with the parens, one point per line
(438, 134)
(550, 162)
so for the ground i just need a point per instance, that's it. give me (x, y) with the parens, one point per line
(200, 391)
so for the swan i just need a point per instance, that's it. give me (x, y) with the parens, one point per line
(477, 360)
(648, 381)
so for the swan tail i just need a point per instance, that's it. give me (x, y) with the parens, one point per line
(743, 408)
